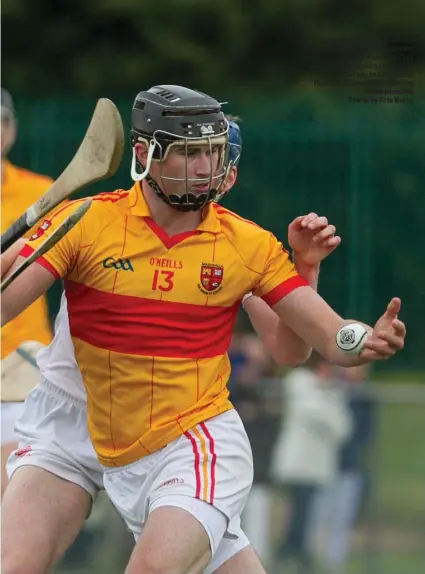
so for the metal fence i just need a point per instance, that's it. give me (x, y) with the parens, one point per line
(365, 175)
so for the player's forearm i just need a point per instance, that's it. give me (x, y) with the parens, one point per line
(9, 257)
(291, 348)
(26, 289)
(267, 325)
(333, 354)
(310, 273)
(306, 313)
(283, 344)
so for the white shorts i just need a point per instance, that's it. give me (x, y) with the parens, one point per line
(207, 471)
(10, 412)
(19, 374)
(52, 434)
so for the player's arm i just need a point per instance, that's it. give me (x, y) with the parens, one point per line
(301, 309)
(304, 311)
(311, 239)
(8, 258)
(26, 289)
(283, 344)
(39, 276)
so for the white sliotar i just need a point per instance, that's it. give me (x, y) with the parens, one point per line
(351, 338)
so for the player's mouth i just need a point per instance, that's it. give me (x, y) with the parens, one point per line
(201, 187)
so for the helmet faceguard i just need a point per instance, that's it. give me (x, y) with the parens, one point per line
(167, 117)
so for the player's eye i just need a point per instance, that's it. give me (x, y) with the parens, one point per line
(214, 149)
(192, 151)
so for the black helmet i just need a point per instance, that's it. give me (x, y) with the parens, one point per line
(165, 116)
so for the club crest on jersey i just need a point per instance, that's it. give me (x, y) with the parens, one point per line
(211, 278)
(40, 231)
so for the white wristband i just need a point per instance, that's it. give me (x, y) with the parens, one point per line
(245, 297)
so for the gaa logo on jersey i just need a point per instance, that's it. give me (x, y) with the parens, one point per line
(211, 278)
(43, 227)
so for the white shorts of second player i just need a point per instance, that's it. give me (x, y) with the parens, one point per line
(52, 434)
(207, 471)
(19, 374)
(10, 413)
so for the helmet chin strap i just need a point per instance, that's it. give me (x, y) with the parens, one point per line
(177, 202)
(139, 176)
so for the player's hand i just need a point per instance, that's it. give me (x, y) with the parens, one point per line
(312, 239)
(387, 336)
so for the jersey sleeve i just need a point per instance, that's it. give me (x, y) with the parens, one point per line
(62, 257)
(279, 276)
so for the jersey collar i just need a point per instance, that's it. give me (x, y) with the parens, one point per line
(138, 206)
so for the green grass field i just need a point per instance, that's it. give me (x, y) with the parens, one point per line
(398, 508)
(388, 563)
(401, 462)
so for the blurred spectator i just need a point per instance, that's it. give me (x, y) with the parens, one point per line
(336, 508)
(316, 422)
(256, 397)
(20, 188)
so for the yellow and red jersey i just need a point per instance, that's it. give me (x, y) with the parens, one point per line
(151, 316)
(20, 189)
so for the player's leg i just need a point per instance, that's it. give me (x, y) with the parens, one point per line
(187, 497)
(6, 449)
(172, 542)
(246, 561)
(234, 556)
(54, 477)
(41, 516)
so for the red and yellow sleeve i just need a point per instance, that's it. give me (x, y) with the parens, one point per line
(62, 256)
(279, 277)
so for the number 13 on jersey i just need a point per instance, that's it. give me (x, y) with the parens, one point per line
(162, 280)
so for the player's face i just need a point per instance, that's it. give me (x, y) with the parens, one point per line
(189, 168)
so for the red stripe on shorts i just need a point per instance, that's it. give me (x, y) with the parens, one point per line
(196, 463)
(213, 460)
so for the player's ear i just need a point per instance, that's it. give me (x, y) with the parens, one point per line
(141, 153)
(231, 178)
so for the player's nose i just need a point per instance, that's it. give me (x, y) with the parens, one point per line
(203, 165)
